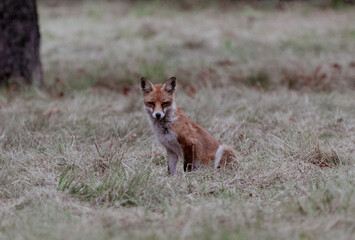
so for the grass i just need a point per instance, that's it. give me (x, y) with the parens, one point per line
(78, 159)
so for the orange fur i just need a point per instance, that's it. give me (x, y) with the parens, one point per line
(196, 143)
(177, 133)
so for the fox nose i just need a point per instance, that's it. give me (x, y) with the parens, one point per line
(158, 115)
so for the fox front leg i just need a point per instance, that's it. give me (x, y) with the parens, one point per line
(189, 157)
(172, 162)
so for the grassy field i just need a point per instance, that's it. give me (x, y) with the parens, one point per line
(79, 161)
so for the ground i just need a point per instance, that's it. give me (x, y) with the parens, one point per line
(79, 160)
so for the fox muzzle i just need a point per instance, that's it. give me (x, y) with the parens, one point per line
(158, 115)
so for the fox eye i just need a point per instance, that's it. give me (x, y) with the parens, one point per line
(151, 103)
(165, 104)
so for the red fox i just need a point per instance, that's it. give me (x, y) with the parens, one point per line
(178, 134)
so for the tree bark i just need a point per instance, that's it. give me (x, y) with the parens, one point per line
(19, 42)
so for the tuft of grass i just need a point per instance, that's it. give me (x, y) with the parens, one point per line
(319, 157)
(119, 187)
(260, 79)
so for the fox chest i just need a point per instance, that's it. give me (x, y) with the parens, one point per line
(168, 139)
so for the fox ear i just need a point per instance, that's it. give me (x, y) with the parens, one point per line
(146, 85)
(170, 85)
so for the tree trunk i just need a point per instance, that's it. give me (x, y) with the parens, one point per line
(19, 42)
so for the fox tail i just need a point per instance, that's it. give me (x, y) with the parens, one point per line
(224, 156)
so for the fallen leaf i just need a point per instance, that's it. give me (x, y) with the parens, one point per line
(51, 112)
(133, 135)
(225, 62)
(337, 66)
(241, 136)
(126, 90)
(191, 91)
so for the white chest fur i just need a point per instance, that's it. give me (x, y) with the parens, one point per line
(166, 136)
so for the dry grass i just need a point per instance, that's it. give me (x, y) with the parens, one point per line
(80, 161)
(112, 45)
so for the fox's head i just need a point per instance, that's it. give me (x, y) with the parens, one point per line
(158, 99)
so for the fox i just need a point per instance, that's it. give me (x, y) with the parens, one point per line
(181, 137)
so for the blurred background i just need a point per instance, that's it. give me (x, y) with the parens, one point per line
(266, 44)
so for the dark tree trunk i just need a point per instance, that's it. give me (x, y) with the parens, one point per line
(19, 42)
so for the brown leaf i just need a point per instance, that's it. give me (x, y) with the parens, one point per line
(292, 119)
(60, 94)
(337, 66)
(155, 154)
(59, 81)
(225, 62)
(133, 135)
(126, 90)
(241, 136)
(81, 70)
(191, 91)
(51, 112)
